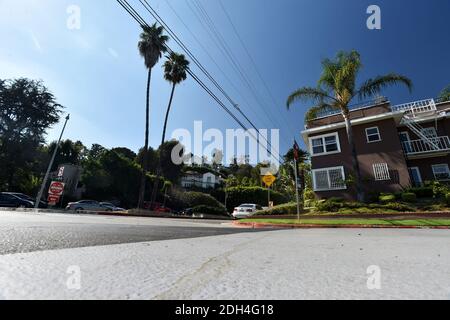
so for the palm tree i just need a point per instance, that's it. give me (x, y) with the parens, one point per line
(337, 88)
(175, 72)
(152, 45)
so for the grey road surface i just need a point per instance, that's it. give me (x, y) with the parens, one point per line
(25, 232)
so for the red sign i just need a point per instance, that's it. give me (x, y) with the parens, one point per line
(56, 188)
(52, 200)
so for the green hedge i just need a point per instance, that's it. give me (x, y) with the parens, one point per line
(183, 200)
(422, 192)
(447, 199)
(256, 195)
(337, 206)
(387, 197)
(210, 210)
(409, 197)
(281, 210)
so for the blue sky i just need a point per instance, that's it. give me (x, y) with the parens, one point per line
(98, 75)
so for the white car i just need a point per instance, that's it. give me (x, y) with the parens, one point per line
(111, 206)
(246, 210)
(86, 205)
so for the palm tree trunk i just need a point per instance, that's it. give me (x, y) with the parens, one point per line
(167, 115)
(145, 160)
(159, 170)
(359, 185)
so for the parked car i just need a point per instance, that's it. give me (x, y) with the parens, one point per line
(87, 205)
(246, 210)
(42, 204)
(9, 200)
(111, 206)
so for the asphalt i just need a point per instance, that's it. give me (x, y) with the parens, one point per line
(25, 232)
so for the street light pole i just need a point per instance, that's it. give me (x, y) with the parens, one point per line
(44, 183)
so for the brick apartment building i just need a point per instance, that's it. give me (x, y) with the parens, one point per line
(397, 147)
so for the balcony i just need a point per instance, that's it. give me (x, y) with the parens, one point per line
(416, 108)
(425, 148)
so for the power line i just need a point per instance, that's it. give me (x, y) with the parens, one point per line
(219, 39)
(252, 60)
(135, 15)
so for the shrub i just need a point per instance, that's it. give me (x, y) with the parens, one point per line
(210, 210)
(281, 210)
(422, 192)
(447, 199)
(409, 197)
(194, 199)
(357, 207)
(386, 197)
(256, 195)
(309, 195)
(439, 189)
(309, 203)
(373, 196)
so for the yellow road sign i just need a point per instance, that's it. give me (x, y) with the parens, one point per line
(269, 179)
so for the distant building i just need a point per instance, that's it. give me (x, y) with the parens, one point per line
(207, 180)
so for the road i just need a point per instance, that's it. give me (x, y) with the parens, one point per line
(94, 257)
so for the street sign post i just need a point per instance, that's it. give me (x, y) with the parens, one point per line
(268, 180)
(56, 188)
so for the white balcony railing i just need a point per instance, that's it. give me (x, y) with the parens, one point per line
(437, 144)
(416, 107)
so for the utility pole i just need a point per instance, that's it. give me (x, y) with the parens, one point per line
(44, 183)
(296, 189)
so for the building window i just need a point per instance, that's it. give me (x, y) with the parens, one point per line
(381, 172)
(441, 172)
(325, 144)
(329, 179)
(373, 135)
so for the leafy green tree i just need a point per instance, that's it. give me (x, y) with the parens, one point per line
(337, 88)
(169, 169)
(69, 152)
(152, 45)
(27, 110)
(125, 152)
(445, 94)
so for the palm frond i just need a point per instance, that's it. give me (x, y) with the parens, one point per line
(374, 86)
(316, 95)
(316, 111)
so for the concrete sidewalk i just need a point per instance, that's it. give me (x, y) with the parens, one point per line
(287, 264)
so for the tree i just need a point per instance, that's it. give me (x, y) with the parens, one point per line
(69, 152)
(152, 45)
(169, 169)
(27, 110)
(175, 72)
(445, 94)
(337, 88)
(125, 152)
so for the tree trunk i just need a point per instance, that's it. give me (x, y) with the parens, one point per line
(159, 170)
(167, 115)
(145, 160)
(359, 185)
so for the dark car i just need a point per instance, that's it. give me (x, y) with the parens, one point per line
(42, 204)
(9, 200)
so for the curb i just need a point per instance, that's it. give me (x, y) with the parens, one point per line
(255, 225)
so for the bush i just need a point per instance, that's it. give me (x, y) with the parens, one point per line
(255, 195)
(409, 197)
(386, 198)
(183, 200)
(373, 196)
(439, 189)
(210, 210)
(309, 203)
(422, 192)
(357, 207)
(281, 210)
(447, 199)
(309, 195)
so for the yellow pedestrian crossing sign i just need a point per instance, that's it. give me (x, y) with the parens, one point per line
(269, 179)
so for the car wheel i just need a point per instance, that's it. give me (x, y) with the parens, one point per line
(79, 210)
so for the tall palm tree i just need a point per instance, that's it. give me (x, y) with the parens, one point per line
(337, 88)
(152, 45)
(175, 72)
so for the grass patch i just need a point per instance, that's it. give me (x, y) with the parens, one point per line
(338, 222)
